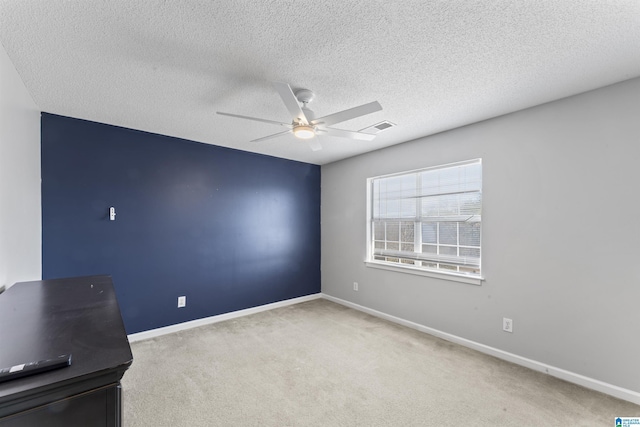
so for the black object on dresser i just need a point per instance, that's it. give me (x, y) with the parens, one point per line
(45, 319)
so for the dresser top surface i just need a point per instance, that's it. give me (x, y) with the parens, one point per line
(47, 318)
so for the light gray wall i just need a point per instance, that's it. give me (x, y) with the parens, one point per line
(20, 207)
(560, 238)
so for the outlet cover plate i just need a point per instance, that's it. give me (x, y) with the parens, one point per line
(507, 324)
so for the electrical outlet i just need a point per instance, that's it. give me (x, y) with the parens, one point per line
(355, 286)
(507, 325)
(182, 301)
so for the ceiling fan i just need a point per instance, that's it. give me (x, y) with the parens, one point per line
(304, 125)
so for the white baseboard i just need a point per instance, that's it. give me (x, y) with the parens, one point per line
(593, 384)
(215, 319)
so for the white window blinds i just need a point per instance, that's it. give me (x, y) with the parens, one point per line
(428, 219)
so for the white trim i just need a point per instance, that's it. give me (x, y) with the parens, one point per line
(422, 272)
(405, 268)
(145, 335)
(445, 166)
(593, 384)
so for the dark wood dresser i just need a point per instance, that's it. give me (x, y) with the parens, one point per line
(47, 318)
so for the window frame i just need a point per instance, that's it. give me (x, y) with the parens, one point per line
(370, 261)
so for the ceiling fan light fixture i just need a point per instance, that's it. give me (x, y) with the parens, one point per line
(304, 132)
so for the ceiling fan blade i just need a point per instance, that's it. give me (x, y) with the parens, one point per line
(314, 143)
(348, 134)
(270, 136)
(254, 118)
(351, 113)
(291, 102)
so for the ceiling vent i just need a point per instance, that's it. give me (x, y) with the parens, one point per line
(378, 127)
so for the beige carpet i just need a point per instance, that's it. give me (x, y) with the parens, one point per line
(321, 364)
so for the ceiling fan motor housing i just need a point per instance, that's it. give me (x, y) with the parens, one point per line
(309, 114)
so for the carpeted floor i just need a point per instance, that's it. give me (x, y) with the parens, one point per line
(321, 364)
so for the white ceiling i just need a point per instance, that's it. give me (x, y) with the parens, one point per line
(168, 66)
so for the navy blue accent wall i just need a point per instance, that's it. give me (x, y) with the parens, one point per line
(228, 229)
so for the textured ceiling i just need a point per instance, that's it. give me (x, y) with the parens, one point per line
(168, 66)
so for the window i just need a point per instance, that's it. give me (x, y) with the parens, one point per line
(428, 220)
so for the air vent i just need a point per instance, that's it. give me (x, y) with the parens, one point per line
(378, 127)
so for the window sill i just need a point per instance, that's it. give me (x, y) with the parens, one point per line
(420, 272)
